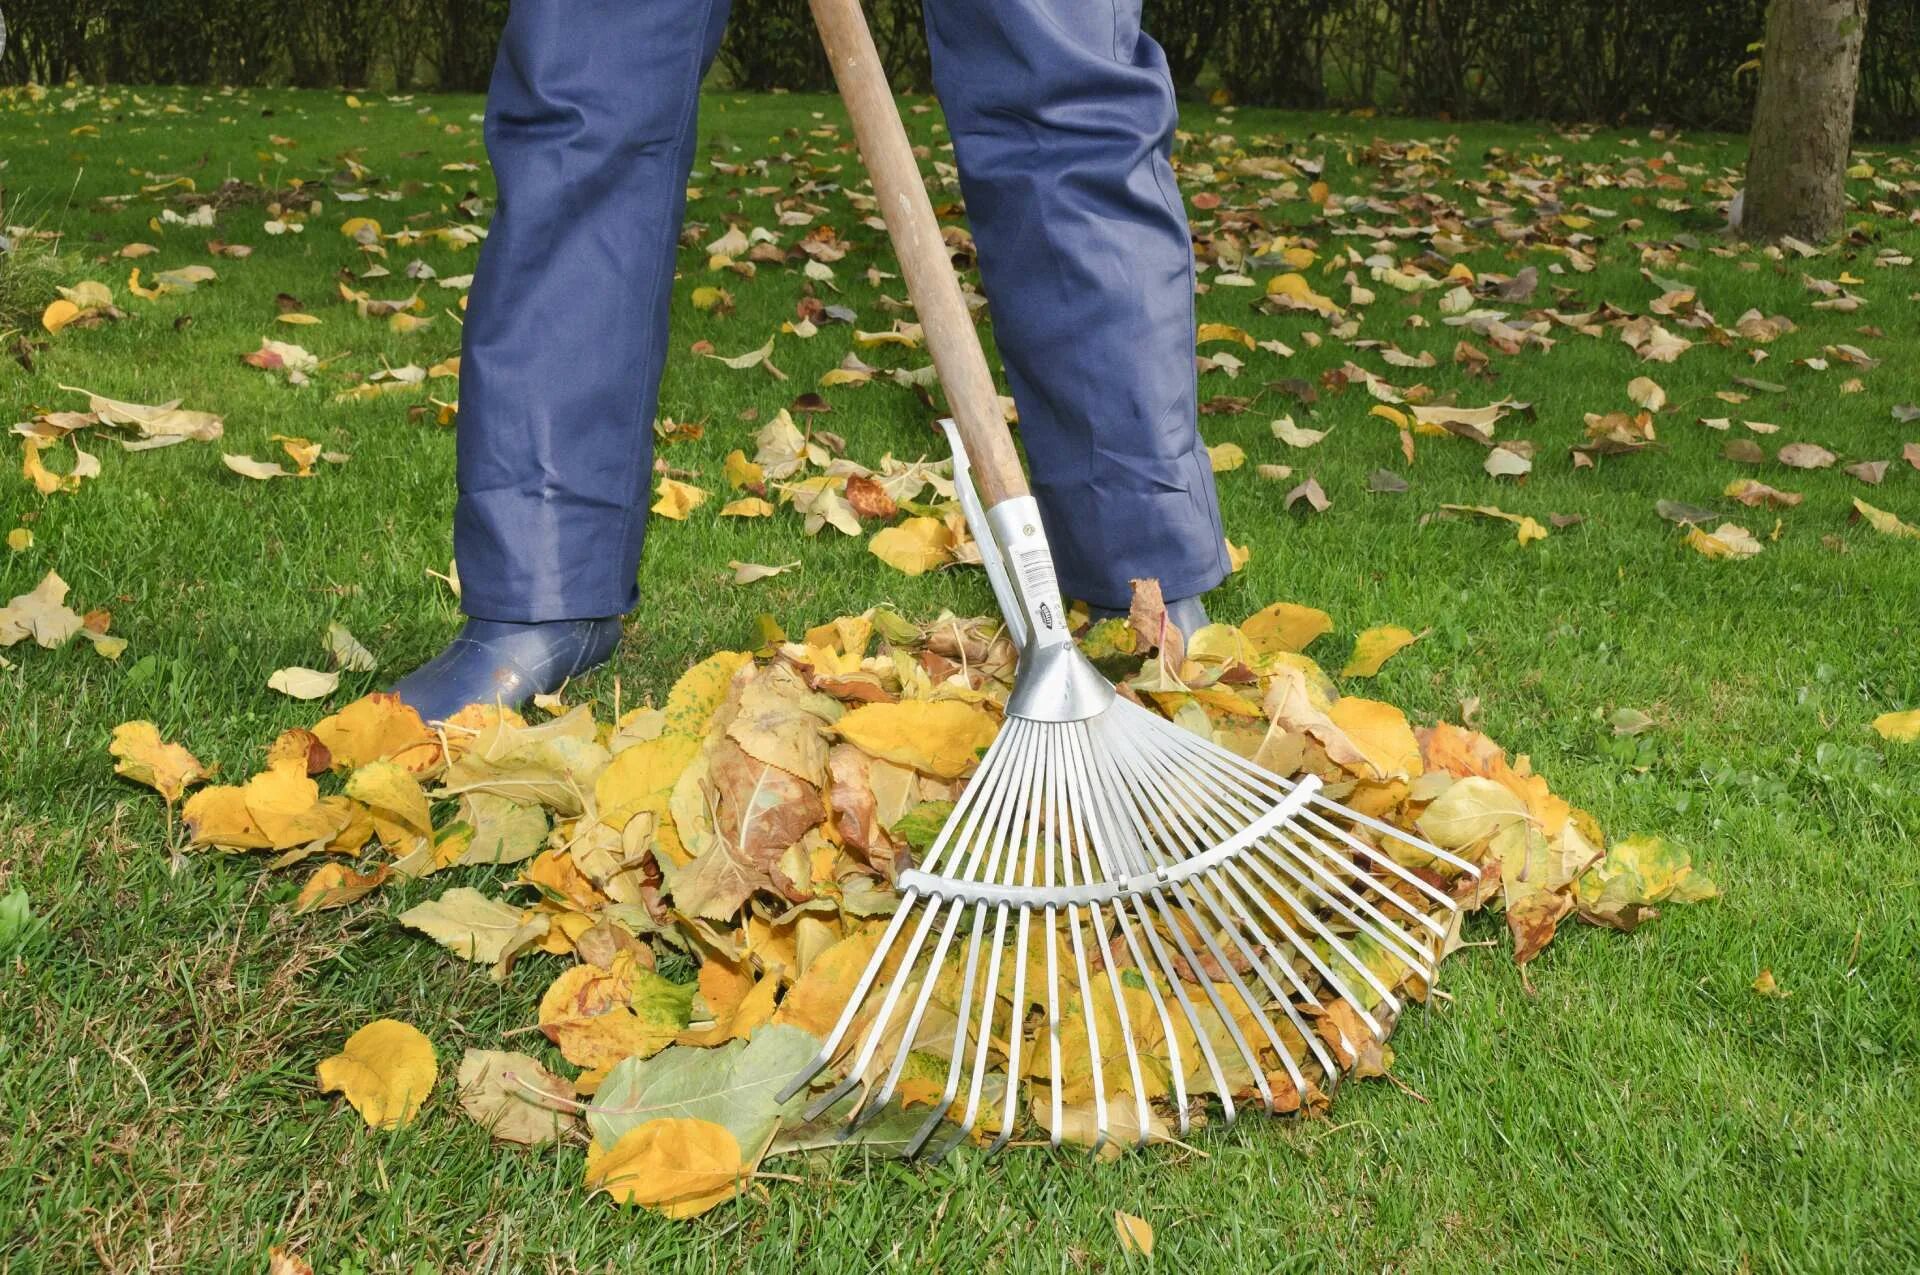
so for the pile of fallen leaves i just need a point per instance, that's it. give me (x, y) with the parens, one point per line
(753, 825)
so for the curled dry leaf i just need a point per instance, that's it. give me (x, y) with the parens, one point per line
(1806, 456)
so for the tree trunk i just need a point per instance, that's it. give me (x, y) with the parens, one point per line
(1803, 119)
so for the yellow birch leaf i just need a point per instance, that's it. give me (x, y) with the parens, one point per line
(1225, 457)
(391, 790)
(1285, 626)
(1136, 1236)
(1381, 733)
(218, 816)
(599, 1016)
(1885, 523)
(386, 1070)
(1222, 332)
(59, 314)
(915, 546)
(1375, 647)
(742, 472)
(334, 885)
(942, 738)
(677, 1166)
(1901, 728)
(677, 499)
(144, 757)
(286, 806)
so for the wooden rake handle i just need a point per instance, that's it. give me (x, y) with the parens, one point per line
(931, 285)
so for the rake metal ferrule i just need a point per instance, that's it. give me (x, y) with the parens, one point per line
(1053, 682)
(1125, 887)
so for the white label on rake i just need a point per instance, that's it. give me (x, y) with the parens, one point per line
(1029, 897)
(1038, 586)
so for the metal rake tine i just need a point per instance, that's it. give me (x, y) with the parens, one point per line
(988, 801)
(1222, 763)
(1128, 832)
(851, 1009)
(1192, 835)
(1261, 776)
(1017, 1020)
(1023, 815)
(1076, 760)
(1234, 873)
(1253, 861)
(999, 834)
(1051, 865)
(1076, 865)
(1139, 773)
(1390, 934)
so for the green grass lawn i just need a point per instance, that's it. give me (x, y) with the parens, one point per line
(1624, 1103)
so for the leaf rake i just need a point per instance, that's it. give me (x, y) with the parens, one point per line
(1167, 905)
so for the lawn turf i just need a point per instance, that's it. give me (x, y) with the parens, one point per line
(1625, 1103)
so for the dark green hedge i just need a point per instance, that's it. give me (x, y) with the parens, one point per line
(1602, 61)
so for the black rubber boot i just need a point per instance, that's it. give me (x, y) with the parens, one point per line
(500, 662)
(1189, 615)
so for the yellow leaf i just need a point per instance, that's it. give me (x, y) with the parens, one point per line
(747, 507)
(378, 727)
(19, 540)
(386, 1070)
(1901, 728)
(1285, 626)
(1135, 1235)
(361, 229)
(218, 816)
(145, 758)
(599, 1016)
(392, 792)
(678, 1166)
(1238, 556)
(1300, 294)
(1223, 457)
(817, 998)
(1885, 523)
(1222, 332)
(915, 546)
(700, 691)
(286, 806)
(1727, 541)
(742, 472)
(1381, 733)
(677, 499)
(942, 738)
(335, 885)
(1375, 647)
(59, 314)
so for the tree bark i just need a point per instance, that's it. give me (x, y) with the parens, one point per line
(1803, 119)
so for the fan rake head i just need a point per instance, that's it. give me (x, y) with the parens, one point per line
(1163, 916)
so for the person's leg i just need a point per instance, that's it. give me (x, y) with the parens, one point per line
(590, 129)
(1062, 116)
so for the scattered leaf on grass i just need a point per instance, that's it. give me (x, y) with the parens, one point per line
(1135, 1235)
(513, 1097)
(1725, 541)
(145, 758)
(1901, 728)
(386, 1070)
(1375, 647)
(304, 683)
(1806, 456)
(1885, 523)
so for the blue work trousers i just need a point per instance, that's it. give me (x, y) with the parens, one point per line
(1062, 116)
